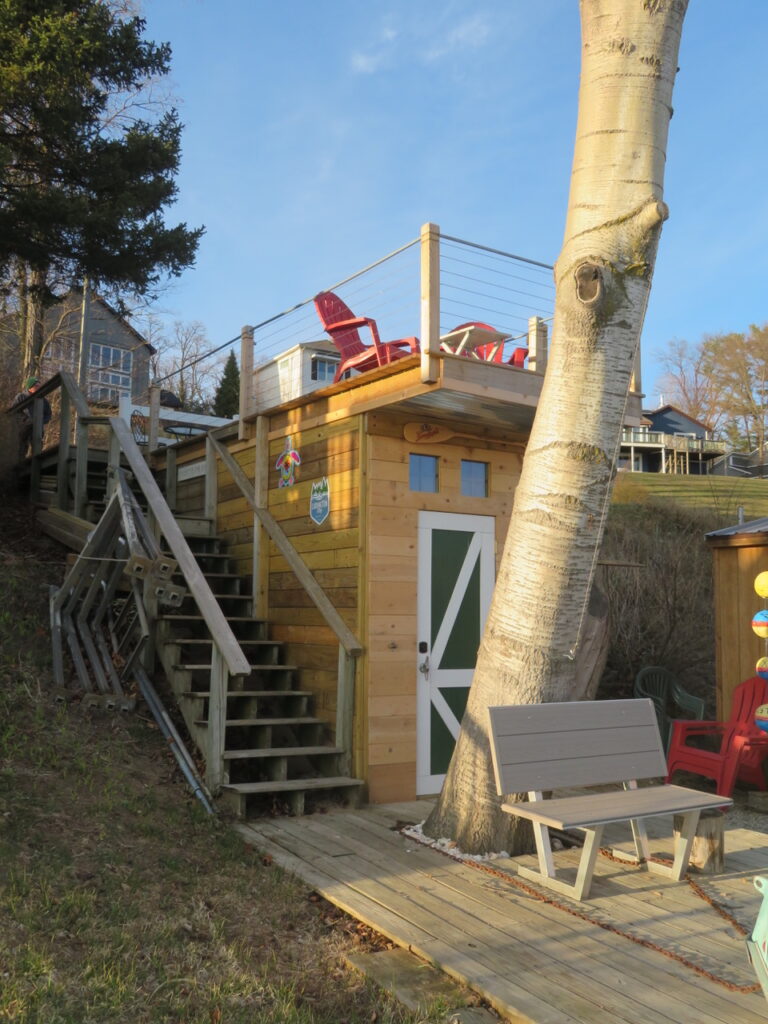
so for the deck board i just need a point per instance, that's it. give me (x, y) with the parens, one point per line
(533, 961)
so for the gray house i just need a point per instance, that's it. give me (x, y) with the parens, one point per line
(118, 356)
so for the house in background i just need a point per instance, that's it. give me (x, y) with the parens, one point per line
(299, 370)
(669, 441)
(118, 356)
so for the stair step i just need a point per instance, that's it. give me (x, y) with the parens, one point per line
(233, 755)
(190, 667)
(204, 694)
(236, 722)
(288, 785)
(189, 641)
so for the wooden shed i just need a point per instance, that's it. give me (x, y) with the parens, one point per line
(396, 495)
(740, 553)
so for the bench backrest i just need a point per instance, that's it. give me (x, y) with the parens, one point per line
(578, 743)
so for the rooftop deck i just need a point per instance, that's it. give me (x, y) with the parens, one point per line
(550, 960)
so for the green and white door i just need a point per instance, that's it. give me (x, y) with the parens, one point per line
(456, 575)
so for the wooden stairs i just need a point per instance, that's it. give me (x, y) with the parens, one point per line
(276, 752)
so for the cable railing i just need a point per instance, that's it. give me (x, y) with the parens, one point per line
(426, 289)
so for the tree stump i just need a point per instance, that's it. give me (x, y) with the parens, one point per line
(708, 849)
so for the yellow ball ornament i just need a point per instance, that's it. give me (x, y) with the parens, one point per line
(761, 584)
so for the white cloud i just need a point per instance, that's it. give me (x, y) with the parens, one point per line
(470, 34)
(366, 63)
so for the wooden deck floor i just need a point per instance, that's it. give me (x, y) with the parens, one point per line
(534, 961)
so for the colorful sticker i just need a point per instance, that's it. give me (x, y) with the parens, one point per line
(287, 462)
(319, 501)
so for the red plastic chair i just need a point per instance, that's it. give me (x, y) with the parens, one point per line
(518, 357)
(742, 746)
(343, 326)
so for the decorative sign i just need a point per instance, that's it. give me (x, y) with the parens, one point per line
(287, 462)
(319, 501)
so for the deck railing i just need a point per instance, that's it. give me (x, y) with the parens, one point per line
(426, 287)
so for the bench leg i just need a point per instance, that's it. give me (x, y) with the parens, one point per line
(683, 844)
(546, 875)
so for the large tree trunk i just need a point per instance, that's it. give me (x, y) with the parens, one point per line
(34, 292)
(533, 646)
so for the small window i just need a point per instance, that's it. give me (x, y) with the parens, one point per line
(324, 369)
(474, 479)
(423, 473)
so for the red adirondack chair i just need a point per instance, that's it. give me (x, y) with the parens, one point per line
(742, 746)
(484, 352)
(343, 326)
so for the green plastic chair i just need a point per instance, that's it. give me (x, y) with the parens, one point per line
(669, 698)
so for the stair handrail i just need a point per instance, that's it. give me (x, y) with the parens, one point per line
(215, 620)
(344, 634)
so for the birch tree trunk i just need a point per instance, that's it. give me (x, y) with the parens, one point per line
(539, 612)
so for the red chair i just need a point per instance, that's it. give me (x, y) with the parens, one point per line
(518, 357)
(343, 326)
(742, 747)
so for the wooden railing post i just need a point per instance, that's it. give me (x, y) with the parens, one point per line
(261, 498)
(154, 418)
(430, 303)
(81, 468)
(538, 344)
(211, 484)
(246, 382)
(171, 477)
(37, 448)
(345, 708)
(62, 468)
(217, 714)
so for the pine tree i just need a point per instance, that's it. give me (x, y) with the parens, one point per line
(83, 192)
(227, 399)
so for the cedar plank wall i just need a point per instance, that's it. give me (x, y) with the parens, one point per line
(234, 516)
(190, 494)
(332, 552)
(392, 515)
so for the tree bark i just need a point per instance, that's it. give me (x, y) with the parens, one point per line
(533, 649)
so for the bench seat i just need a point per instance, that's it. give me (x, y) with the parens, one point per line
(543, 748)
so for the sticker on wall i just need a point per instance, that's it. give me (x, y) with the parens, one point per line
(287, 462)
(319, 501)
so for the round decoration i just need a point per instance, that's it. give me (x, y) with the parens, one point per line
(761, 717)
(761, 584)
(760, 623)
(762, 667)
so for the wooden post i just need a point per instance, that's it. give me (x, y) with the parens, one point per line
(81, 468)
(430, 303)
(171, 478)
(62, 469)
(113, 464)
(217, 714)
(260, 539)
(154, 418)
(538, 344)
(37, 448)
(345, 708)
(211, 484)
(246, 382)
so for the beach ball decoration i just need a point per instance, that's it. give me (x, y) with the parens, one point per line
(761, 717)
(762, 668)
(761, 584)
(760, 623)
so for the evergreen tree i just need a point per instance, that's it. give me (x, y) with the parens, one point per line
(82, 193)
(227, 399)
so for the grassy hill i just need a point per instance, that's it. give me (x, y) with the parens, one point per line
(719, 494)
(121, 902)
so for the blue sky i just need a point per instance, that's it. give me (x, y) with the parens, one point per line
(320, 135)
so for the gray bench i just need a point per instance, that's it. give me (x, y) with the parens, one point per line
(539, 748)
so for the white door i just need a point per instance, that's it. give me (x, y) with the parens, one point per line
(456, 575)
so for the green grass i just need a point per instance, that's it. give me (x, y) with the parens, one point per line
(722, 495)
(121, 901)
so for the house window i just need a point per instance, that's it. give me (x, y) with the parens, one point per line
(109, 372)
(474, 479)
(324, 369)
(423, 473)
